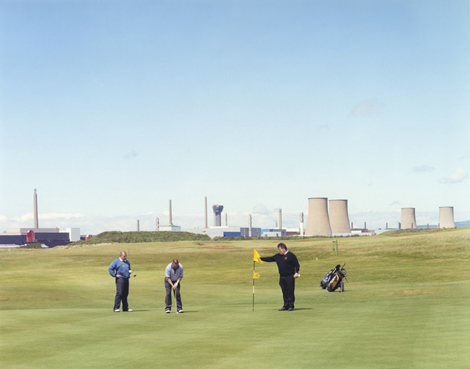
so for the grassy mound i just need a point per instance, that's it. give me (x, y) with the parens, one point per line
(407, 306)
(138, 237)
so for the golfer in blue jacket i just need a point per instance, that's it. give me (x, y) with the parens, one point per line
(121, 270)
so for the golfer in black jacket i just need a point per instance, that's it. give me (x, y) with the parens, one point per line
(288, 270)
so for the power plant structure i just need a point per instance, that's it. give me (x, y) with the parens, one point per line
(318, 223)
(218, 214)
(446, 217)
(408, 218)
(339, 218)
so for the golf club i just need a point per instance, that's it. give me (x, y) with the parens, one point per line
(174, 292)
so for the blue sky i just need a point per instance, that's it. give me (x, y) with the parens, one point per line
(112, 108)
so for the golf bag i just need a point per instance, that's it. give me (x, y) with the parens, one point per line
(334, 279)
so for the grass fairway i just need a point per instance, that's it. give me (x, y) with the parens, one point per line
(409, 306)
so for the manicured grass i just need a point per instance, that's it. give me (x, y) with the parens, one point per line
(409, 306)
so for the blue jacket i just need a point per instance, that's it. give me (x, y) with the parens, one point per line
(120, 267)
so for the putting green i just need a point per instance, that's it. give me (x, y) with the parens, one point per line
(409, 306)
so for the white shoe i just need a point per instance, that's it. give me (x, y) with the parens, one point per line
(180, 311)
(167, 311)
(128, 310)
(117, 311)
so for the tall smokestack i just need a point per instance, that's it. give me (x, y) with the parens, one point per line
(249, 225)
(280, 218)
(205, 210)
(301, 225)
(138, 225)
(171, 220)
(36, 220)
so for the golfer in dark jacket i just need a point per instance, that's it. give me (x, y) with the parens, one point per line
(288, 271)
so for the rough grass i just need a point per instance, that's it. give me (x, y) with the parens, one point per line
(407, 306)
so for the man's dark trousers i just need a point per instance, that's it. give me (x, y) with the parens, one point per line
(169, 291)
(288, 286)
(122, 291)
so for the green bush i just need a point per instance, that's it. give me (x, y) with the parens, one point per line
(34, 245)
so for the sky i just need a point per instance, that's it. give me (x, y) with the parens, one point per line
(112, 108)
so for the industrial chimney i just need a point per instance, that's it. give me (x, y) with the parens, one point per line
(217, 213)
(170, 215)
(205, 212)
(339, 218)
(36, 218)
(280, 218)
(408, 218)
(318, 222)
(446, 217)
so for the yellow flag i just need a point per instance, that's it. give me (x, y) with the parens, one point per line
(255, 275)
(256, 257)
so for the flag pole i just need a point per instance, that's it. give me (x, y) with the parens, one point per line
(253, 285)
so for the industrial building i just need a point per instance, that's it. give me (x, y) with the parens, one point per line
(50, 237)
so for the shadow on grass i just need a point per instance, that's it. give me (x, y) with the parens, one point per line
(303, 309)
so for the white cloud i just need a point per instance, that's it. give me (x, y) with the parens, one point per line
(261, 209)
(458, 176)
(365, 108)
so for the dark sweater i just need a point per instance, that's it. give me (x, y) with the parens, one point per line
(288, 264)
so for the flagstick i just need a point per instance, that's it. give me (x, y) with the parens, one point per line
(254, 285)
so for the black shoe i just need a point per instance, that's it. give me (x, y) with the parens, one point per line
(290, 309)
(282, 309)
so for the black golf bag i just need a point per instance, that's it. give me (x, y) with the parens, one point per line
(334, 279)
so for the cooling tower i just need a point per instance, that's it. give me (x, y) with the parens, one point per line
(446, 217)
(339, 218)
(318, 223)
(408, 218)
